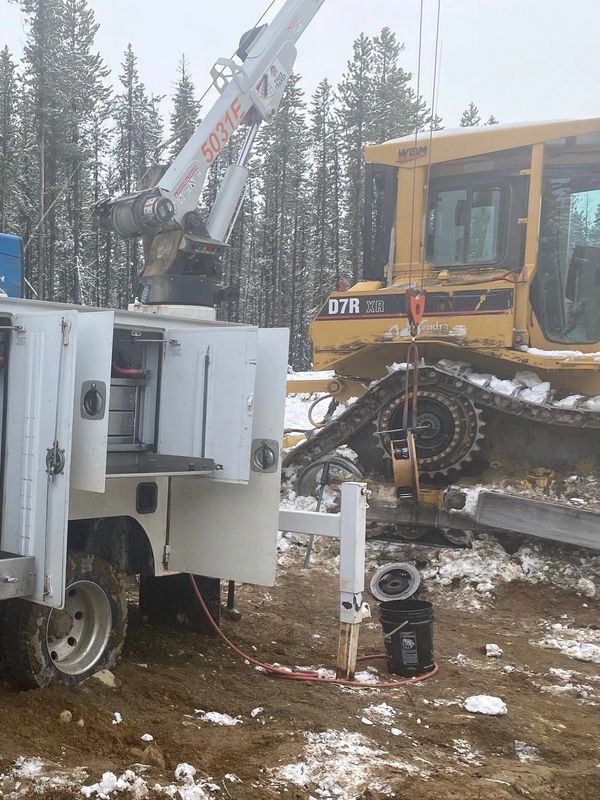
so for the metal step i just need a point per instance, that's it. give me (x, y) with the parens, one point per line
(17, 575)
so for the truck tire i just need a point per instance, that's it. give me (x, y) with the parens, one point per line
(44, 645)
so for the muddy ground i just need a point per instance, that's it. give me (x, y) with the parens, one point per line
(315, 740)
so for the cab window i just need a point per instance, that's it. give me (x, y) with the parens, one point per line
(566, 287)
(464, 226)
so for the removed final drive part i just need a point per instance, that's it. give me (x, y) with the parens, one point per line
(395, 582)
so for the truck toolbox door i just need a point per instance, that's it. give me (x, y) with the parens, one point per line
(205, 408)
(91, 400)
(36, 458)
(227, 531)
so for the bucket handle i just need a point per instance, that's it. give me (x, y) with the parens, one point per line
(391, 633)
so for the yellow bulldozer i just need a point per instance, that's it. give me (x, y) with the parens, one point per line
(495, 232)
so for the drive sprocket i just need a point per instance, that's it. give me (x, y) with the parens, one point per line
(449, 429)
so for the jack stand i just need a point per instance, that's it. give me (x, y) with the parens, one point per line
(353, 523)
(349, 527)
(229, 608)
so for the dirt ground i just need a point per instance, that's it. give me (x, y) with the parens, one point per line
(315, 740)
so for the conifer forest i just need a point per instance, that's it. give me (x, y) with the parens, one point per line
(72, 134)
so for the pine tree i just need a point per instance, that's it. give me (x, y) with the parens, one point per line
(86, 111)
(138, 133)
(284, 220)
(325, 193)
(396, 109)
(44, 85)
(8, 135)
(436, 123)
(492, 120)
(186, 109)
(355, 115)
(470, 116)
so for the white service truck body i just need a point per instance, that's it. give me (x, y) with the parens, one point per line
(159, 434)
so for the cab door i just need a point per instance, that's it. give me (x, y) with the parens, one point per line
(37, 444)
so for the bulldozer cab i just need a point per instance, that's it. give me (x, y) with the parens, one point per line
(480, 206)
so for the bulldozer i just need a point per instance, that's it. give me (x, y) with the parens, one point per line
(471, 345)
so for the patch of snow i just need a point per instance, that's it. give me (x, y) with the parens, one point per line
(471, 495)
(31, 776)
(147, 737)
(527, 379)
(586, 587)
(564, 674)
(307, 376)
(366, 677)
(580, 651)
(526, 753)
(479, 379)
(342, 764)
(493, 651)
(27, 767)
(466, 753)
(485, 704)
(505, 387)
(117, 718)
(110, 785)
(562, 354)
(323, 672)
(568, 402)
(219, 719)
(185, 773)
(383, 711)
(593, 404)
(256, 711)
(477, 571)
(536, 394)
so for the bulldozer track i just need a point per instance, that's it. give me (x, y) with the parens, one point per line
(366, 409)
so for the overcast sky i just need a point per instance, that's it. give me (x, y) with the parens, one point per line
(517, 59)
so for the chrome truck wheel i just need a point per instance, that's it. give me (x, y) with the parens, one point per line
(77, 635)
(45, 646)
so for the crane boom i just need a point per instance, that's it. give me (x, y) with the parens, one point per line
(178, 242)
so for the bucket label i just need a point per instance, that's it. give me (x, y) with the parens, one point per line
(408, 643)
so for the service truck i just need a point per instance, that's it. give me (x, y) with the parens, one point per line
(144, 442)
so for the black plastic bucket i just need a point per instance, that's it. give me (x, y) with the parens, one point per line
(408, 636)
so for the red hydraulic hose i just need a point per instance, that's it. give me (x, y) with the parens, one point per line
(126, 372)
(305, 675)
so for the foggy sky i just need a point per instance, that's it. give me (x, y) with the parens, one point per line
(517, 59)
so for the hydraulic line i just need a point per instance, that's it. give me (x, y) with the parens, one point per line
(126, 372)
(305, 675)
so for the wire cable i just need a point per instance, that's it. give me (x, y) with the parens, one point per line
(433, 114)
(414, 168)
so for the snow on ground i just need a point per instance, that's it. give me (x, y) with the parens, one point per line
(478, 570)
(33, 777)
(296, 412)
(218, 719)
(342, 765)
(326, 374)
(581, 644)
(485, 704)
